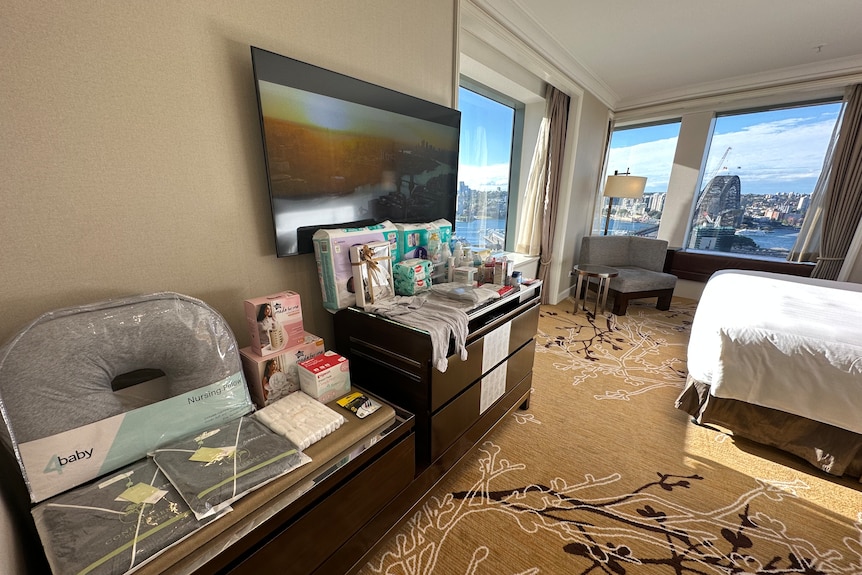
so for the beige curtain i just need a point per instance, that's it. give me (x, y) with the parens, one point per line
(842, 205)
(539, 207)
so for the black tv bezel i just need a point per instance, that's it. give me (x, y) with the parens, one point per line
(279, 69)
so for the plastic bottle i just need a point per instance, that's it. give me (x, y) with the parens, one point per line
(434, 247)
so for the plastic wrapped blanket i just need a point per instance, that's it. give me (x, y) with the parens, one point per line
(116, 524)
(218, 466)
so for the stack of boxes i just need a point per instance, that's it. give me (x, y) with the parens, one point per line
(339, 269)
(280, 346)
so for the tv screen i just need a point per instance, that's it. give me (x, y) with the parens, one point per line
(341, 152)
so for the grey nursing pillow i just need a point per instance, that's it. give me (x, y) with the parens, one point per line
(59, 372)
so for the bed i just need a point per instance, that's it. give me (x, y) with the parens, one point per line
(778, 359)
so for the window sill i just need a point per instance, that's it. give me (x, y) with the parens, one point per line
(699, 266)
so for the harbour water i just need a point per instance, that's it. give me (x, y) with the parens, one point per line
(475, 232)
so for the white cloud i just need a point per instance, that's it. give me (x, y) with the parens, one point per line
(786, 153)
(485, 177)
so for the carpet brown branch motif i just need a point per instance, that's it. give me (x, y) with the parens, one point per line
(583, 484)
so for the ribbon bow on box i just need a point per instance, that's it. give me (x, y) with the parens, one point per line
(377, 262)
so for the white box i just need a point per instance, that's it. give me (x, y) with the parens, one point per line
(372, 273)
(332, 252)
(274, 322)
(325, 377)
(283, 379)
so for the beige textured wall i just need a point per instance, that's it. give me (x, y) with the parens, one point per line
(131, 158)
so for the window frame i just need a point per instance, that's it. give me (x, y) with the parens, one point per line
(601, 203)
(743, 110)
(515, 153)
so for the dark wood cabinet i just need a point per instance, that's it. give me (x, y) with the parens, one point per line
(318, 518)
(394, 361)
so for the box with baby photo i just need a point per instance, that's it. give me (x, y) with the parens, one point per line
(274, 322)
(275, 376)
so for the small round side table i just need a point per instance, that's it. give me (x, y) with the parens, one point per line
(604, 275)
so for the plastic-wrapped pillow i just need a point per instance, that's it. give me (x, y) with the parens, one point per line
(67, 395)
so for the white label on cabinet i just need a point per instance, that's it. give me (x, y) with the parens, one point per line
(495, 348)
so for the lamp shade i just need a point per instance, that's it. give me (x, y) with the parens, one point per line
(623, 186)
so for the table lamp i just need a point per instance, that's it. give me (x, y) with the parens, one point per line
(622, 186)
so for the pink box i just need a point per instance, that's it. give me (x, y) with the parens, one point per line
(274, 322)
(325, 377)
(275, 376)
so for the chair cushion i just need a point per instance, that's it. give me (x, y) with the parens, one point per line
(635, 279)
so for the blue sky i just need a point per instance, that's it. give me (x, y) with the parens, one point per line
(486, 141)
(772, 152)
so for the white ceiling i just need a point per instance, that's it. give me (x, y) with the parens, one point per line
(634, 53)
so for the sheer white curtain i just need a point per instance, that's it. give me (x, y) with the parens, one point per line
(538, 218)
(528, 237)
(807, 246)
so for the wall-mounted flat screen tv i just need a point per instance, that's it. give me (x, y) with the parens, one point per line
(341, 152)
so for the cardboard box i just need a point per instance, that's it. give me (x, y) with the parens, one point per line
(275, 376)
(274, 322)
(325, 377)
(334, 269)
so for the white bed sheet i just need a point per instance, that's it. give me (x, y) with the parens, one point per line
(784, 342)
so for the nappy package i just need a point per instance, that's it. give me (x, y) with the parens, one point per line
(412, 276)
(423, 240)
(334, 269)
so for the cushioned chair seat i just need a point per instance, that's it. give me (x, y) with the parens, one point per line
(633, 279)
(639, 262)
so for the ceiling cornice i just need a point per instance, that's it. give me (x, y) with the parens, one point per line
(825, 75)
(509, 29)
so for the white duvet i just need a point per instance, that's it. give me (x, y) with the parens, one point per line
(784, 342)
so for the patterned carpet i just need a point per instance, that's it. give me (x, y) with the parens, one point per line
(603, 475)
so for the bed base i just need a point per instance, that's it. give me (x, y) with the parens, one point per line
(828, 448)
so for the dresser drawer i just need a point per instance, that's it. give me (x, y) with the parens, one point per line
(461, 374)
(450, 422)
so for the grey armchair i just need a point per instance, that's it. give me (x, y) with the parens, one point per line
(640, 262)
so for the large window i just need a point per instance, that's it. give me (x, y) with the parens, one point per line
(485, 170)
(643, 151)
(759, 174)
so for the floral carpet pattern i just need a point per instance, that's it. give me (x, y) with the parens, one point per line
(622, 487)
(643, 355)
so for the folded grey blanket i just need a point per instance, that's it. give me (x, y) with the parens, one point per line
(216, 467)
(116, 523)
